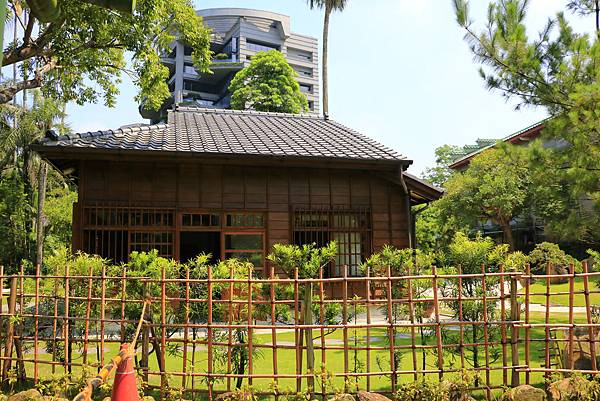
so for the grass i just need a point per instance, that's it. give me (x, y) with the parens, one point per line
(263, 362)
(538, 291)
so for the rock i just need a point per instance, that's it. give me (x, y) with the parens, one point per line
(145, 398)
(563, 271)
(524, 392)
(573, 388)
(455, 392)
(235, 396)
(29, 395)
(54, 398)
(343, 397)
(366, 396)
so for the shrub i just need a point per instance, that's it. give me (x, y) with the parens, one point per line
(515, 262)
(471, 254)
(547, 252)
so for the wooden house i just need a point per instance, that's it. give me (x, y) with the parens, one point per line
(233, 183)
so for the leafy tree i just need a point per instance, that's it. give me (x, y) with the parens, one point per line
(81, 56)
(435, 229)
(468, 256)
(24, 177)
(556, 70)
(548, 253)
(268, 84)
(439, 174)
(308, 259)
(494, 187)
(330, 6)
(404, 262)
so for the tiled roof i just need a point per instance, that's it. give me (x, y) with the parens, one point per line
(469, 151)
(214, 131)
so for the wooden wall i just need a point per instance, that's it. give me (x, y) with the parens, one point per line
(272, 189)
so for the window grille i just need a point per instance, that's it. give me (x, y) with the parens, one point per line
(350, 229)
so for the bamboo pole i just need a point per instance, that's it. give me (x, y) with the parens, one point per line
(588, 310)
(12, 303)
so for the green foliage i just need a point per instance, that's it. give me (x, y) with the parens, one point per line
(82, 56)
(548, 253)
(455, 389)
(515, 262)
(494, 187)
(19, 174)
(307, 258)
(441, 173)
(556, 70)
(469, 256)
(58, 212)
(268, 84)
(15, 213)
(435, 229)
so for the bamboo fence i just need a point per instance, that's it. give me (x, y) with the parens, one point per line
(59, 324)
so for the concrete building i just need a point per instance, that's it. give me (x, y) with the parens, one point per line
(237, 35)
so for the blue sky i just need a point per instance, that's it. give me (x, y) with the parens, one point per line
(400, 72)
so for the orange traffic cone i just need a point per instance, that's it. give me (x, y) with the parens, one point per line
(125, 387)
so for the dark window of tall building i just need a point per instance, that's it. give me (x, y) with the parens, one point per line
(260, 47)
(187, 50)
(304, 88)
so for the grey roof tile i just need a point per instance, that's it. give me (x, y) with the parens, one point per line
(217, 131)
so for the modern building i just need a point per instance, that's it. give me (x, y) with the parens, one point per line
(237, 35)
(233, 183)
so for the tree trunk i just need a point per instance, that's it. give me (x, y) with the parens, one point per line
(241, 368)
(597, 10)
(508, 235)
(325, 56)
(39, 220)
(475, 351)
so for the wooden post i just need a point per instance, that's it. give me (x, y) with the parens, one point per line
(588, 309)
(163, 331)
(66, 325)
(36, 323)
(527, 329)
(486, 338)
(438, 327)
(12, 303)
(310, 349)
(21, 373)
(250, 329)
(274, 330)
(515, 310)
(145, 342)
(209, 332)
(571, 317)
(391, 328)
(345, 323)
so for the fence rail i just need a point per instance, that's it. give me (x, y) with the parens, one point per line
(211, 335)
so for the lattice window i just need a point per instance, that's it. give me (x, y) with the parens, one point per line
(351, 229)
(146, 241)
(113, 232)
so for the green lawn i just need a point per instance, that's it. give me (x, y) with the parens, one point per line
(538, 291)
(335, 359)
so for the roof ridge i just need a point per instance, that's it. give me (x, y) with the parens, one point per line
(199, 109)
(115, 131)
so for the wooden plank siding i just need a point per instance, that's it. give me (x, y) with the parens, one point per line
(274, 191)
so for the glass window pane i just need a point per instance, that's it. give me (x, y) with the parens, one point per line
(255, 258)
(243, 241)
